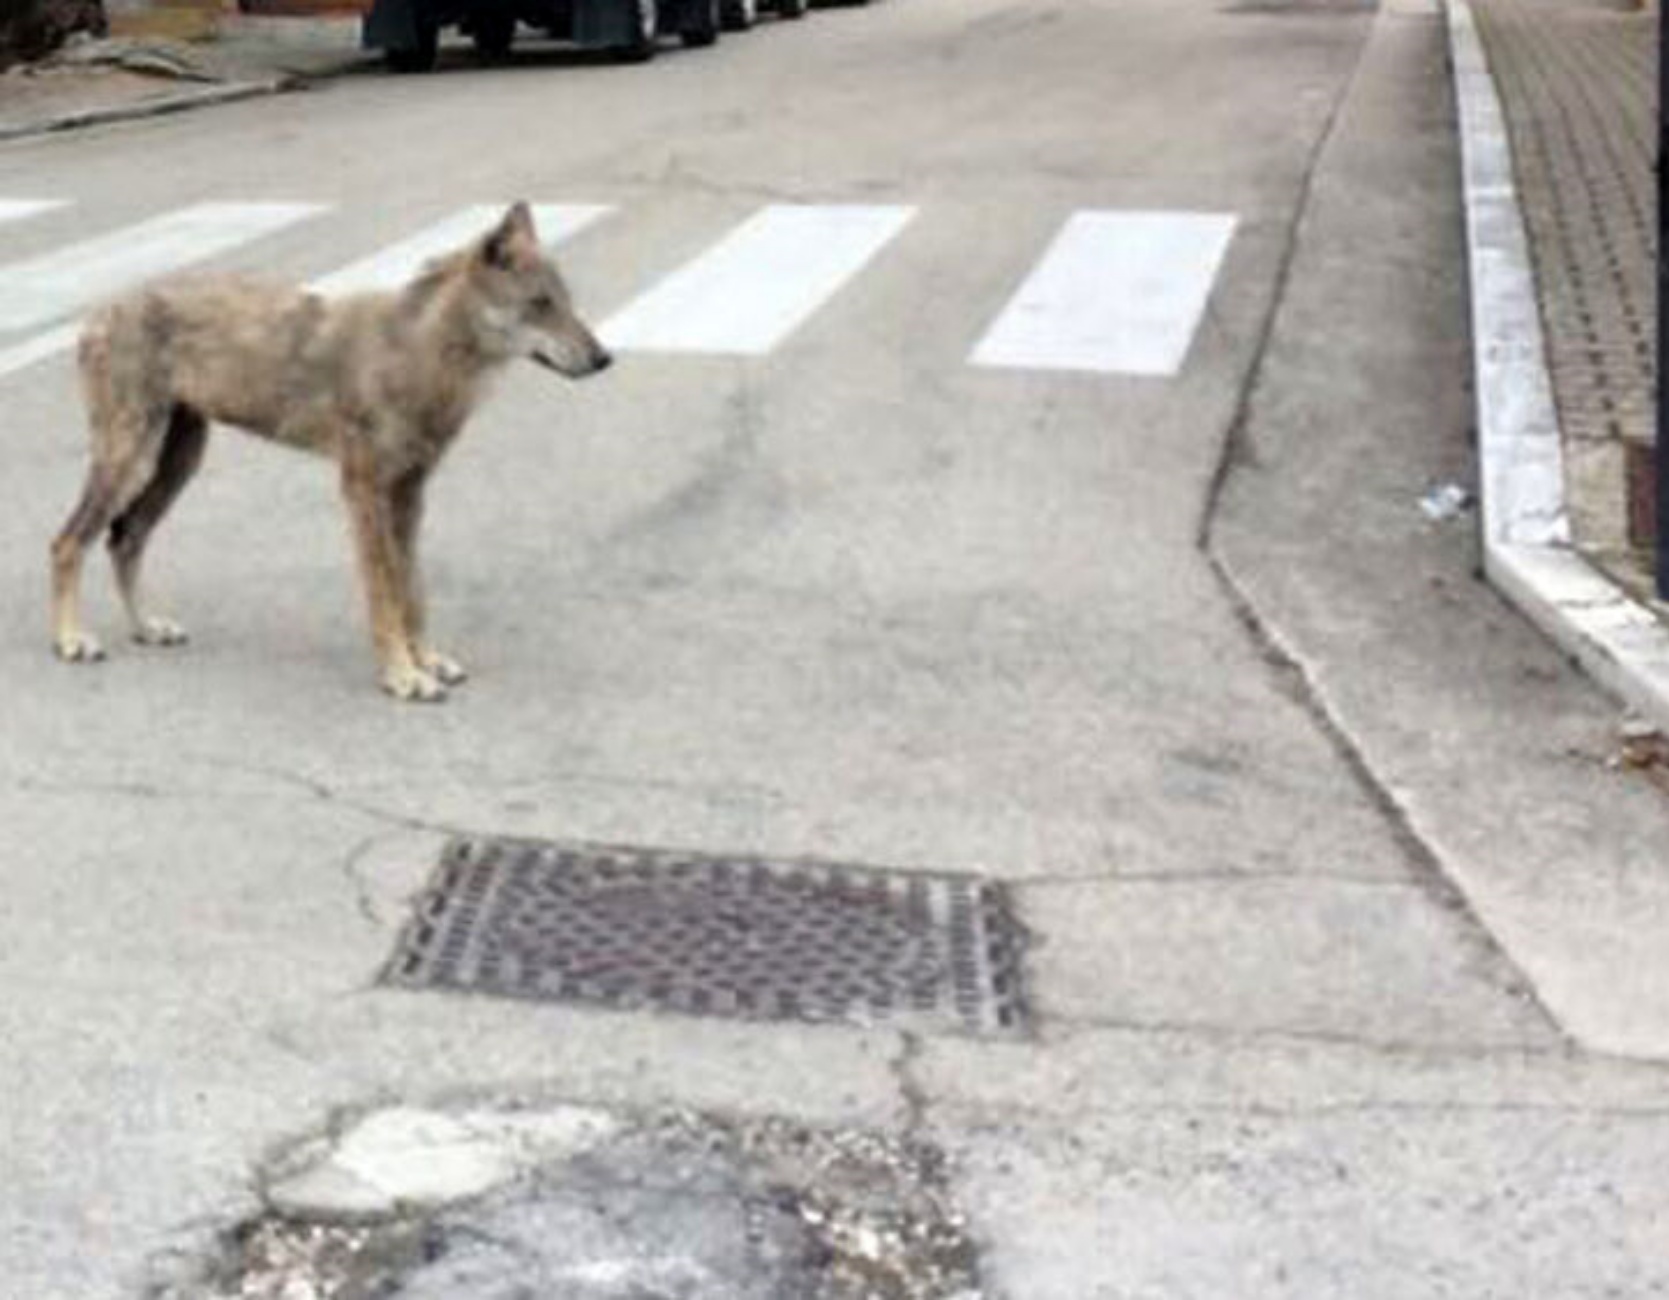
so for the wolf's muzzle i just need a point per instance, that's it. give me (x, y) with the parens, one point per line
(597, 361)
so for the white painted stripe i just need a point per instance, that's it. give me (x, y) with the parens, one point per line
(38, 348)
(1117, 292)
(397, 263)
(54, 285)
(167, 243)
(759, 283)
(21, 209)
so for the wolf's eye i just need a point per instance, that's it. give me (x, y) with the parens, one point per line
(543, 301)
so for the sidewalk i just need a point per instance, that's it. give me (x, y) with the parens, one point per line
(1557, 105)
(1577, 80)
(91, 82)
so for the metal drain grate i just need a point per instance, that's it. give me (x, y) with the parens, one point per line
(737, 937)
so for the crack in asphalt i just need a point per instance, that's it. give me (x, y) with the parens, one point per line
(1252, 1111)
(1229, 1035)
(118, 789)
(324, 793)
(1210, 876)
(675, 173)
(910, 1089)
(315, 789)
(362, 887)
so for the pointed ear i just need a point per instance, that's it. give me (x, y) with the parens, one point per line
(514, 230)
(521, 217)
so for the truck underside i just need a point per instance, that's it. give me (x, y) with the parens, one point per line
(409, 27)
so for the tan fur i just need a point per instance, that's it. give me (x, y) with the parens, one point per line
(380, 382)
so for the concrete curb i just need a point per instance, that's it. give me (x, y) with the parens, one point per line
(179, 103)
(1528, 554)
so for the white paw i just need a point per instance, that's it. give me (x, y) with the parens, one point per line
(78, 648)
(414, 685)
(444, 667)
(159, 631)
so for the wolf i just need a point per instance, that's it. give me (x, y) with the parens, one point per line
(381, 382)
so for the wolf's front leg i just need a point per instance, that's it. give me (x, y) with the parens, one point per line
(371, 510)
(407, 504)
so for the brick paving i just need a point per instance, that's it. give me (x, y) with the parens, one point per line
(1578, 84)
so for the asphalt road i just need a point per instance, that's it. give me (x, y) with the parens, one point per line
(864, 555)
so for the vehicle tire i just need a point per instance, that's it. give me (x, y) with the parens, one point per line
(420, 57)
(494, 32)
(646, 31)
(740, 15)
(791, 8)
(704, 28)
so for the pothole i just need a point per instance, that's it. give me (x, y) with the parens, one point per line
(570, 1203)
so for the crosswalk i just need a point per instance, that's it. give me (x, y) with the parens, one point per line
(1114, 292)
(44, 288)
(18, 209)
(394, 265)
(759, 283)
(1118, 292)
(54, 285)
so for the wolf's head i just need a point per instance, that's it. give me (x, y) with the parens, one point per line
(527, 311)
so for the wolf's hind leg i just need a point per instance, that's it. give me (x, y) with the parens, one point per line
(182, 453)
(127, 415)
(90, 517)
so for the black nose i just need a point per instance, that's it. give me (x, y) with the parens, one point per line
(602, 361)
